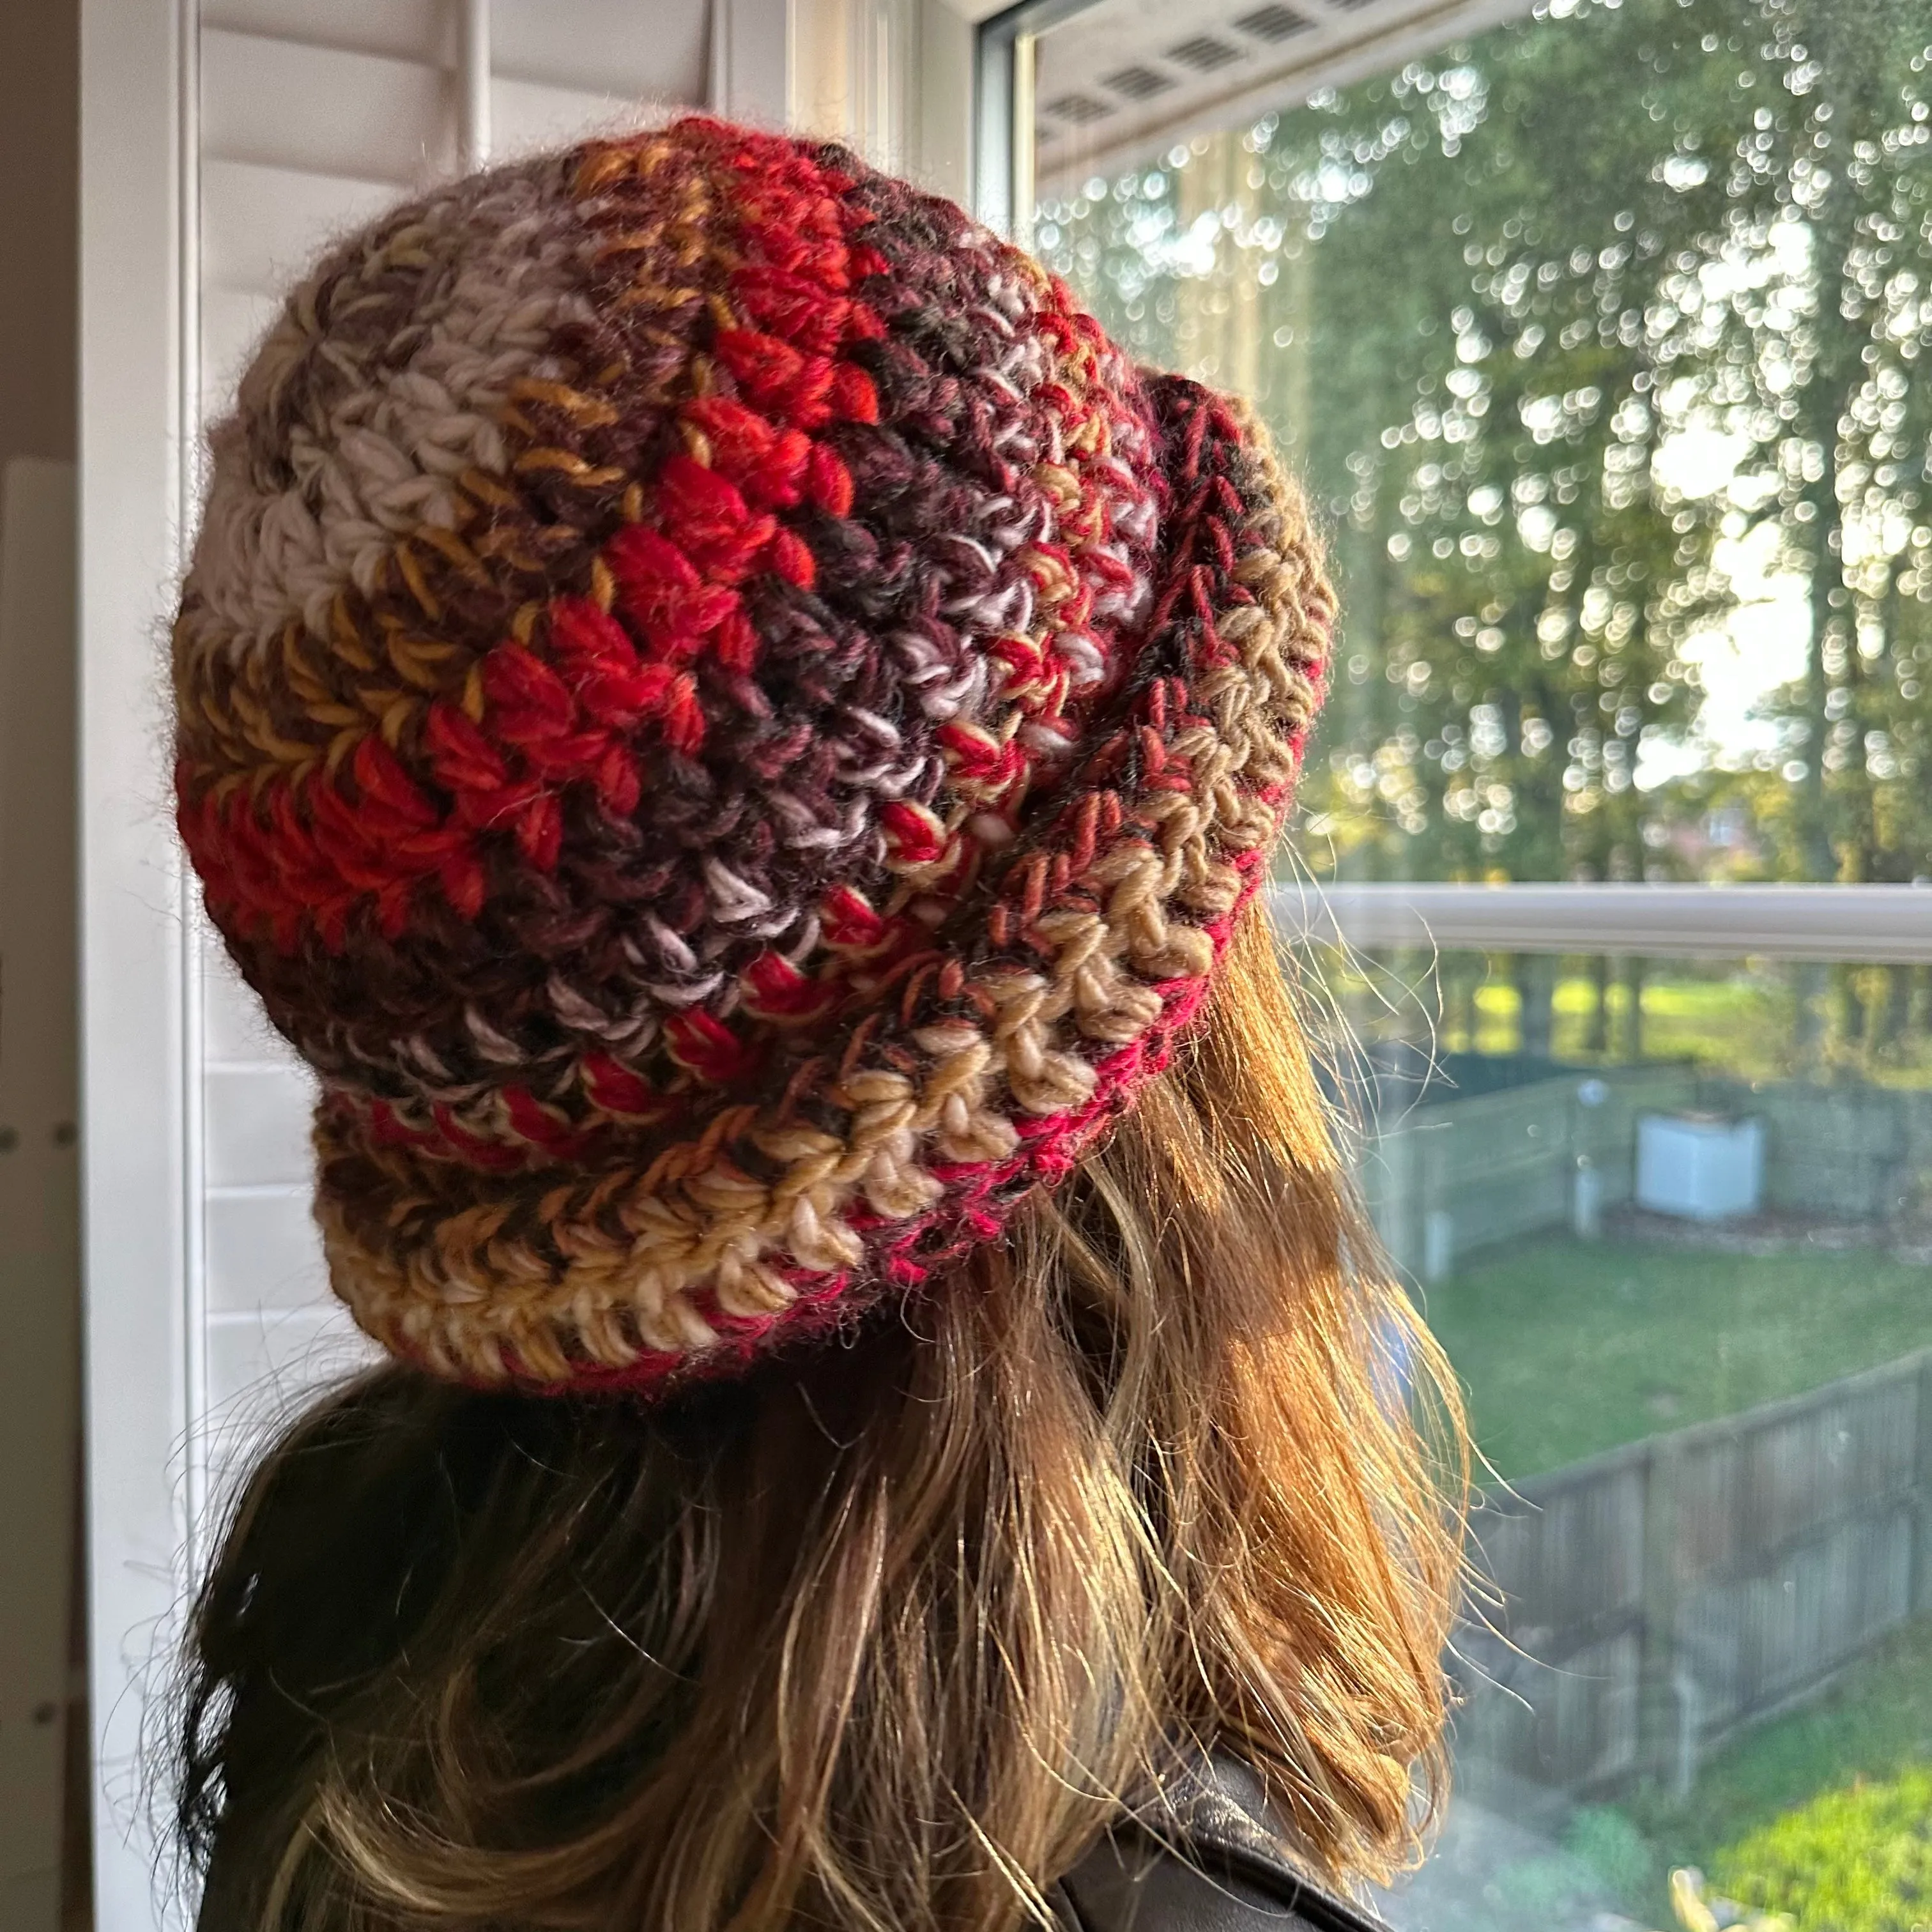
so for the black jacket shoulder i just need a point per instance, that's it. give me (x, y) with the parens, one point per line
(1208, 1859)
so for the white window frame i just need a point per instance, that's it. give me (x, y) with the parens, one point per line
(1853, 925)
(135, 1009)
(1887, 925)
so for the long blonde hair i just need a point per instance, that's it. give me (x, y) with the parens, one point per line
(882, 1637)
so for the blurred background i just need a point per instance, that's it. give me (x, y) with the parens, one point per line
(1598, 331)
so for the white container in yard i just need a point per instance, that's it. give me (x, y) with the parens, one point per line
(1701, 1167)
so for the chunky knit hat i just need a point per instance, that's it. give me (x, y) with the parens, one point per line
(730, 727)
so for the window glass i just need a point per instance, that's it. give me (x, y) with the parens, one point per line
(1599, 340)
(1672, 1222)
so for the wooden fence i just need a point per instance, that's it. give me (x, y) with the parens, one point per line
(1462, 1173)
(1849, 1152)
(1656, 1598)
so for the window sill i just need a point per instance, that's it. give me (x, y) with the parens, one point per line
(1870, 924)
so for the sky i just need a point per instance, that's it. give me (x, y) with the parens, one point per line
(1762, 642)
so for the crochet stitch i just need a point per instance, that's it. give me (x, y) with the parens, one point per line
(730, 727)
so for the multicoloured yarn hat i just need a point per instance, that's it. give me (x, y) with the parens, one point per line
(730, 727)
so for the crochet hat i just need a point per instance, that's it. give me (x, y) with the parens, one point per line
(730, 727)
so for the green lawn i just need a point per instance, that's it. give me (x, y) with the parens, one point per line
(1567, 1349)
(1859, 1859)
(1736, 1020)
(1741, 1026)
(1809, 1809)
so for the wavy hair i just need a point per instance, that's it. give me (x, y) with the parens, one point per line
(880, 1638)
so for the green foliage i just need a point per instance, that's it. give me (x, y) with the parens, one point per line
(1875, 1725)
(1482, 300)
(1858, 1860)
(1605, 1841)
(1763, 1020)
(1532, 1893)
(1602, 1857)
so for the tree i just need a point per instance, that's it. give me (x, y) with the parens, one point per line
(1841, 419)
(1482, 302)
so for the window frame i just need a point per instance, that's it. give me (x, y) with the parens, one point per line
(137, 329)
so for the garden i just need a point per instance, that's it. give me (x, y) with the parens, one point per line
(1624, 475)
(1824, 1816)
(1568, 1348)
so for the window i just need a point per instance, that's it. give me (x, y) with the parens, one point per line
(1597, 333)
(1243, 155)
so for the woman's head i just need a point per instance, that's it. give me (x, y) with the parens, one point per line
(730, 727)
(740, 739)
